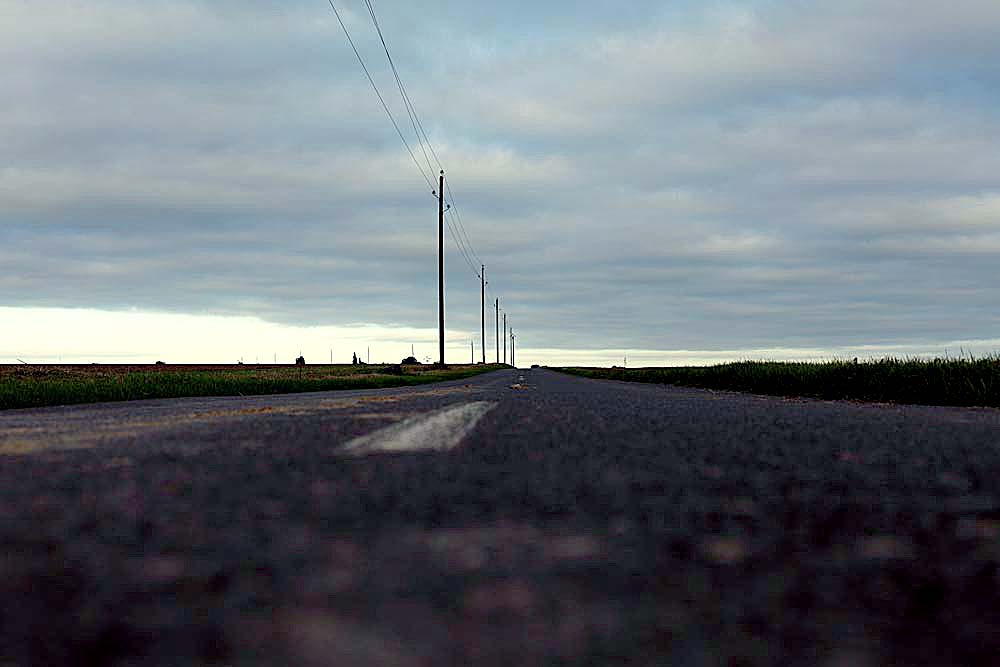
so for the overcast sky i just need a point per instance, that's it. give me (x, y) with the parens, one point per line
(676, 181)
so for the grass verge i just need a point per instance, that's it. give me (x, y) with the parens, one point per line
(42, 386)
(955, 382)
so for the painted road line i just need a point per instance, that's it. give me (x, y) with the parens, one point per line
(435, 431)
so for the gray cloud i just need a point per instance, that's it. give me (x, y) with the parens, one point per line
(698, 176)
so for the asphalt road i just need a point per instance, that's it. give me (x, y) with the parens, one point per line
(519, 518)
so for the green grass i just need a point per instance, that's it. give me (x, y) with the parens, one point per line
(957, 382)
(41, 386)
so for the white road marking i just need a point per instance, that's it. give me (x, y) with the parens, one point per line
(436, 431)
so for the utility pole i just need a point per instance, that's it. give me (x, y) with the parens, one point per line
(472, 348)
(482, 303)
(505, 338)
(498, 330)
(441, 270)
(512, 348)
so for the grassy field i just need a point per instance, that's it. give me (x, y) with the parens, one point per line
(39, 386)
(960, 382)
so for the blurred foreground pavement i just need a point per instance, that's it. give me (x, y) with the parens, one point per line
(572, 522)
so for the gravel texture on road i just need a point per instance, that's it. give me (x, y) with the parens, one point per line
(577, 522)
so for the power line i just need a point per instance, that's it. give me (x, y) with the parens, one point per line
(410, 110)
(423, 139)
(463, 248)
(379, 94)
(456, 226)
(458, 215)
(456, 237)
(406, 96)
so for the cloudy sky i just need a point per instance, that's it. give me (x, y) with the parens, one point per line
(207, 180)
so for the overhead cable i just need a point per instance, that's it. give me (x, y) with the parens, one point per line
(379, 94)
(460, 234)
(410, 109)
(456, 226)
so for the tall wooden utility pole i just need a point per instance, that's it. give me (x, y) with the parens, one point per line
(505, 338)
(512, 348)
(441, 270)
(482, 303)
(472, 348)
(498, 330)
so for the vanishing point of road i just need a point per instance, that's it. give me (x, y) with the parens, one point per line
(522, 517)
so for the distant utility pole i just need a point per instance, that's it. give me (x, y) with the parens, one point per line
(505, 338)
(512, 349)
(498, 330)
(441, 270)
(472, 347)
(482, 303)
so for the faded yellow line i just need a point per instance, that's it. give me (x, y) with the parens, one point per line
(58, 432)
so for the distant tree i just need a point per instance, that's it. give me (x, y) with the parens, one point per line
(301, 361)
(354, 362)
(411, 361)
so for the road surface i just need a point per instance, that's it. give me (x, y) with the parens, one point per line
(517, 518)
